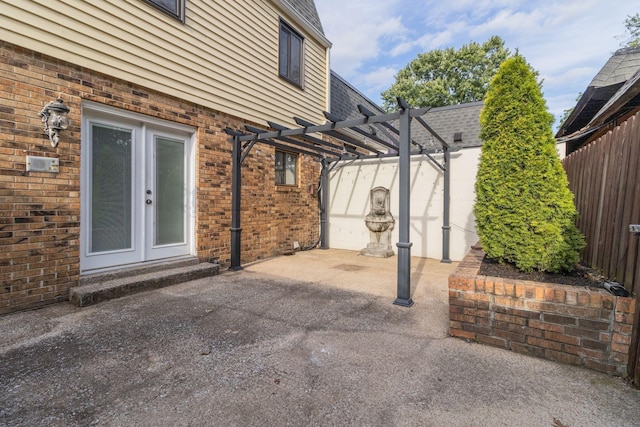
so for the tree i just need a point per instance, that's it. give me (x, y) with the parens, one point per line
(566, 113)
(524, 209)
(449, 76)
(632, 26)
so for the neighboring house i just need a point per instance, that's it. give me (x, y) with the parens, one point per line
(609, 88)
(351, 181)
(144, 166)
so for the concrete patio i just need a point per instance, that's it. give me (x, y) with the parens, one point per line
(307, 339)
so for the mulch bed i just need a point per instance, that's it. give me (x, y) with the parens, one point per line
(578, 277)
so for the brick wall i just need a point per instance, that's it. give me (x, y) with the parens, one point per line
(40, 212)
(575, 325)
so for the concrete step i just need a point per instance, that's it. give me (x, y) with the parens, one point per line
(102, 287)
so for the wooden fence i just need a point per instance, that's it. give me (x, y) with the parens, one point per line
(605, 179)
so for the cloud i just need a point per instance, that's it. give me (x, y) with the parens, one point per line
(437, 14)
(567, 41)
(425, 43)
(378, 79)
(507, 21)
(359, 29)
(364, 44)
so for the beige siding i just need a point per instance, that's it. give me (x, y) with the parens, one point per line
(225, 55)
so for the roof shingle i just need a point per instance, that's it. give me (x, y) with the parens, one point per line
(307, 9)
(445, 121)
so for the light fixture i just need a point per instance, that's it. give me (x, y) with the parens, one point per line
(54, 117)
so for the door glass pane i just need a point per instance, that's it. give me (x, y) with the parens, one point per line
(111, 154)
(170, 191)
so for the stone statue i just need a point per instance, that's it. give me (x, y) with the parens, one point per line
(380, 223)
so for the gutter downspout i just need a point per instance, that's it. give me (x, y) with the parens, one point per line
(236, 185)
(324, 202)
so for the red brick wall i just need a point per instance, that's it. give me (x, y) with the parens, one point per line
(40, 212)
(580, 326)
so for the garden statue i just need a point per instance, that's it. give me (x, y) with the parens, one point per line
(380, 223)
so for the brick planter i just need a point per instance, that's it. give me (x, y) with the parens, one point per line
(576, 325)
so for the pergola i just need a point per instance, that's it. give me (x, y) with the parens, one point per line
(390, 141)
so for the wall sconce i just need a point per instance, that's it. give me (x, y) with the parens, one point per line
(54, 117)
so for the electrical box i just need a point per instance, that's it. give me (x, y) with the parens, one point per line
(634, 228)
(43, 164)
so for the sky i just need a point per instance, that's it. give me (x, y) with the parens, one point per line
(566, 41)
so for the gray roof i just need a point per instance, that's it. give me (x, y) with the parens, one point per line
(624, 99)
(462, 119)
(622, 66)
(619, 68)
(345, 99)
(307, 9)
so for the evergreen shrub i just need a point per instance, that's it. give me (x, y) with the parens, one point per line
(524, 209)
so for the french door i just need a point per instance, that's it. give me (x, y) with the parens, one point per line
(137, 192)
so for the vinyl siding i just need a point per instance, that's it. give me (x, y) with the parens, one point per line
(224, 57)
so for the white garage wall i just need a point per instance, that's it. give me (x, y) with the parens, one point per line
(351, 182)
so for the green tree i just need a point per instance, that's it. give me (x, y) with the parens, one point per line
(632, 26)
(566, 113)
(524, 209)
(449, 76)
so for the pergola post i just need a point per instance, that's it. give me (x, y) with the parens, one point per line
(446, 229)
(318, 148)
(324, 203)
(236, 186)
(404, 245)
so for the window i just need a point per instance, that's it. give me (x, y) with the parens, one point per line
(286, 168)
(174, 8)
(290, 54)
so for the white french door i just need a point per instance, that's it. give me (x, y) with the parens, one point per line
(137, 192)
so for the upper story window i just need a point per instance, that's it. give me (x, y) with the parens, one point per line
(290, 54)
(173, 8)
(286, 168)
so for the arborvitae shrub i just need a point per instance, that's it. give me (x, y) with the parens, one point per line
(524, 209)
